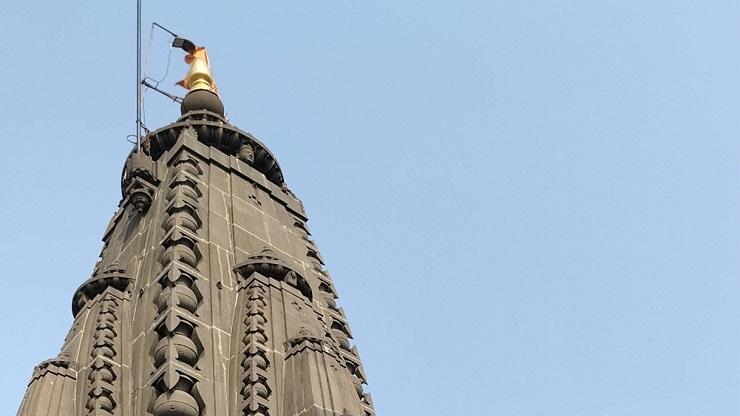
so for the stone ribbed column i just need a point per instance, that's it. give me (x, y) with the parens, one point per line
(335, 322)
(178, 349)
(102, 372)
(255, 390)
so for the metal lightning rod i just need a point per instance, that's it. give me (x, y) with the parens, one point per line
(138, 75)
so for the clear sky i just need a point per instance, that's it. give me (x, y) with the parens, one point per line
(529, 208)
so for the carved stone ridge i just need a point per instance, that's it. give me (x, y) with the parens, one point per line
(114, 275)
(212, 130)
(255, 389)
(58, 365)
(102, 373)
(308, 342)
(178, 347)
(138, 182)
(267, 264)
(140, 165)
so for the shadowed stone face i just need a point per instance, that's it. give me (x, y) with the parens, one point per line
(210, 297)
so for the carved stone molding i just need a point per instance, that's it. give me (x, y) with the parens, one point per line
(269, 265)
(114, 275)
(59, 365)
(178, 348)
(139, 182)
(255, 390)
(306, 341)
(102, 373)
(213, 130)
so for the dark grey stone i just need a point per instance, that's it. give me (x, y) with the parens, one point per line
(209, 298)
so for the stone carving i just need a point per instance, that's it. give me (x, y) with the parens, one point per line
(255, 390)
(114, 275)
(305, 340)
(211, 129)
(101, 372)
(50, 391)
(309, 360)
(178, 349)
(246, 153)
(183, 331)
(267, 264)
(139, 182)
(338, 328)
(59, 365)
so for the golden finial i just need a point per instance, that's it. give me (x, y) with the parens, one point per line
(199, 77)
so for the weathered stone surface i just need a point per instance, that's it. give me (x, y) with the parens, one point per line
(209, 298)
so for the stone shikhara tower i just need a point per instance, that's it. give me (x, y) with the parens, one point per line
(210, 297)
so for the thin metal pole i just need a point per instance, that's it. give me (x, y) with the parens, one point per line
(165, 93)
(138, 75)
(165, 29)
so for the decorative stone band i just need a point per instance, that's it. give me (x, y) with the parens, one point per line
(338, 329)
(310, 342)
(255, 389)
(114, 275)
(267, 264)
(213, 130)
(102, 372)
(256, 273)
(178, 347)
(59, 366)
(304, 349)
(138, 182)
(52, 389)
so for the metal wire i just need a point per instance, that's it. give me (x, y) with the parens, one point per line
(145, 86)
(156, 82)
(148, 50)
(166, 71)
(138, 75)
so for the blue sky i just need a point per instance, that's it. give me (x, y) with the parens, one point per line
(529, 208)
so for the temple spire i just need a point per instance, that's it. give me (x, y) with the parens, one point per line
(210, 296)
